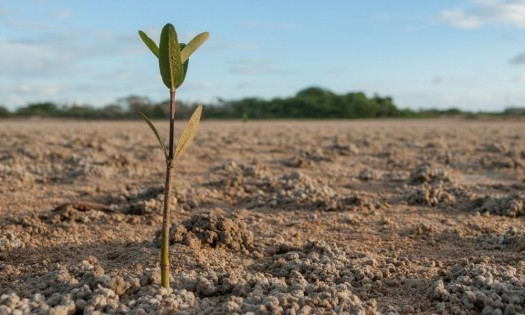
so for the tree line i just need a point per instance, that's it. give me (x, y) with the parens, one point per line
(309, 103)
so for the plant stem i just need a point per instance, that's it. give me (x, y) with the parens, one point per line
(165, 238)
(172, 124)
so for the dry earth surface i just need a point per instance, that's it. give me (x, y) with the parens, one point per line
(286, 217)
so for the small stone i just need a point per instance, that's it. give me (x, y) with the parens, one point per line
(205, 286)
(154, 301)
(80, 304)
(55, 299)
(98, 271)
(98, 300)
(151, 276)
(165, 291)
(439, 292)
(10, 300)
(59, 310)
(139, 311)
(496, 311)
(123, 309)
(10, 236)
(408, 309)
(119, 285)
(510, 310)
(39, 298)
(134, 282)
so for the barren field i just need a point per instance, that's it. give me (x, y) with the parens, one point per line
(286, 217)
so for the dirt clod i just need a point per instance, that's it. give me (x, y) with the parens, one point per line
(212, 231)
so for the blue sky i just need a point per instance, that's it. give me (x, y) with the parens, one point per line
(434, 53)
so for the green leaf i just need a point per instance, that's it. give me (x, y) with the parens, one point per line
(189, 132)
(163, 146)
(170, 64)
(193, 45)
(185, 64)
(150, 43)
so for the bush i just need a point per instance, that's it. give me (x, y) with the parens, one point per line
(4, 112)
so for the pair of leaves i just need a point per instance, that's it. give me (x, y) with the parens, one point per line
(186, 136)
(173, 56)
(185, 54)
(174, 59)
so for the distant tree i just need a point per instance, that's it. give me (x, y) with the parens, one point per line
(220, 111)
(451, 112)
(160, 110)
(361, 106)
(112, 111)
(134, 104)
(317, 102)
(514, 111)
(4, 112)
(406, 113)
(386, 107)
(252, 106)
(79, 111)
(429, 113)
(312, 92)
(43, 109)
(311, 102)
(184, 110)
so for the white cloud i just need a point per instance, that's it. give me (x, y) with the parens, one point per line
(38, 89)
(487, 12)
(117, 74)
(62, 53)
(18, 95)
(20, 58)
(519, 79)
(45, 65)
(12, 101)
(459, 18)
(200, 85)
(466, 99)
(60, 14)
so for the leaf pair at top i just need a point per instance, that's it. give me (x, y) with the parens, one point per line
(173, 56)
(173, 64)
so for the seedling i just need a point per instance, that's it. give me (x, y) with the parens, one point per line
(173, 64)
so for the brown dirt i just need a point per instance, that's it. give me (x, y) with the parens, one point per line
(356, 217)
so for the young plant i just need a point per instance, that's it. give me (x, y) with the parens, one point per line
(173, 64)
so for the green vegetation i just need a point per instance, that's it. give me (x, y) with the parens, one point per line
(173, 60)
(46, 109)
(309, 103)
(4, 112)
(312, 103)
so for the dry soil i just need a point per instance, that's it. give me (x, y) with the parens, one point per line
(285, 217)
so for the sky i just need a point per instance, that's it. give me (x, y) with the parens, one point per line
(468, 54)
